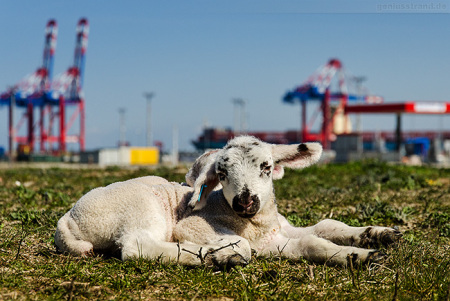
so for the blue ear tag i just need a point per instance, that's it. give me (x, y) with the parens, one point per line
(201, 190)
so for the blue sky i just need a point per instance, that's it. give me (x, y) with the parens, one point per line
(196, 56)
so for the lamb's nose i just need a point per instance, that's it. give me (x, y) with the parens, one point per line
(246, 204)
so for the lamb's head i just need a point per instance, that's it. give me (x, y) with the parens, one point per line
(245, 168)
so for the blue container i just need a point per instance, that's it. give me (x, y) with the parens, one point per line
(419, 146)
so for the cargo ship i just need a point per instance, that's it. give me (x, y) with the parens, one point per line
(212, 138)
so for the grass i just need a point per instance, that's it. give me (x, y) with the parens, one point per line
(417, 199)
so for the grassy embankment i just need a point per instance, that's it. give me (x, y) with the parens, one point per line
(417, 199)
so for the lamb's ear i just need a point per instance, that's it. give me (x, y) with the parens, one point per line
(203, 178)
(278, 172)
(294, 156)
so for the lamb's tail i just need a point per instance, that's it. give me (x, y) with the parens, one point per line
(67, 237)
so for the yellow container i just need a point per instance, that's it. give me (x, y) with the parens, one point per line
(144, 155)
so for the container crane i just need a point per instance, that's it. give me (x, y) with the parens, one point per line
(51, 96)
(30, 92)
(66, 89)
(317, 88)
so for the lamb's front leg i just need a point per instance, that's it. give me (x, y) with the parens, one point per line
(227, 251)
(317, 250)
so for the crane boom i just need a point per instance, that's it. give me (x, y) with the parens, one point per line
(81, 47)
(51, 33)
(69, 83)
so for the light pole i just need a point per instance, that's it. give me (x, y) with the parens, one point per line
(149, 139)
(239, 116)
(12, 138)
(358, 81)
(122, 128)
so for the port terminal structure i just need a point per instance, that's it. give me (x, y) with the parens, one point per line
(52, 97)
(333, 109)
(335, 106)
(400, 108)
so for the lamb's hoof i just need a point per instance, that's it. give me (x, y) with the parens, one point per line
(89, 253)
(390, 236)
(236, 260)
(374, 237)
(352, 260)
(375, 257)
(230, 262)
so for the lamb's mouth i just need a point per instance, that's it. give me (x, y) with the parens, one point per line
(245, 215)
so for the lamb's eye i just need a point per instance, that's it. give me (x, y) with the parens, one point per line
(221, 176)
(267, 169)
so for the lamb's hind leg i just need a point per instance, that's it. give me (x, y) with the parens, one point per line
(365, 237)
(142, 243)
(67, 238)
(319, 250)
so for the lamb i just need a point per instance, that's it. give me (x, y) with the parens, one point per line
(228, 210)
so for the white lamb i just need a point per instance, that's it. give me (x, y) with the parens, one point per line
(228, 211)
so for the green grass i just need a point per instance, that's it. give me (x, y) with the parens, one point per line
(417, 199)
